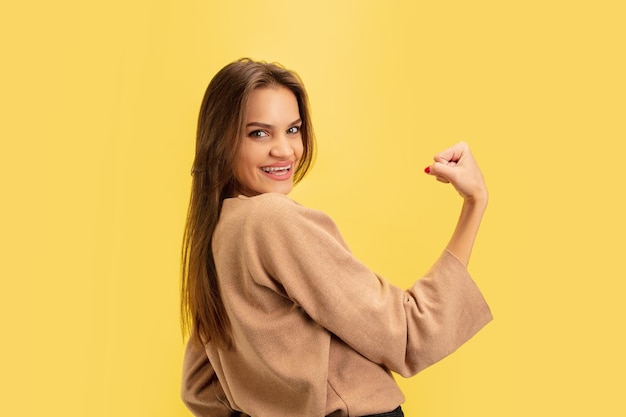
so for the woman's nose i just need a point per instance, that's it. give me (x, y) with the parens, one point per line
(281, 148)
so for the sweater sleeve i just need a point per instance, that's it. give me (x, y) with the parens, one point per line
(299, 253)
(201, 390)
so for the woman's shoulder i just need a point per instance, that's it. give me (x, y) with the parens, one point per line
(265, 201)
(272, 208)
(275, 218)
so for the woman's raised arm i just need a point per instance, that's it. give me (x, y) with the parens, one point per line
(457, 166)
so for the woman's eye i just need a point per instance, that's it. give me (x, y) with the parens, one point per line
(293, 130)
(258, 134)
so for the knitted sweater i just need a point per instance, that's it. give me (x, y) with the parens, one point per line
(316, 332)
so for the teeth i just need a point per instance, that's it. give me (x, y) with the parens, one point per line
(276, 169)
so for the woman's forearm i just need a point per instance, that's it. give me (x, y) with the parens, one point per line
(462, 240)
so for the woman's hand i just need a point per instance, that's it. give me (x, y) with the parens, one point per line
(456, 165)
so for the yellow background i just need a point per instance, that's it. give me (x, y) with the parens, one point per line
(98, 109)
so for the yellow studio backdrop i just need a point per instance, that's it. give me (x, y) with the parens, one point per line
(98, 106)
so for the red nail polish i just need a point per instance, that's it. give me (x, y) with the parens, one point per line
(427, 170)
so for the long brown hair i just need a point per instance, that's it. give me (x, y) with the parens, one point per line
(220, 129)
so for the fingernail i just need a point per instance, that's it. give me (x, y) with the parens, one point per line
(427, 170)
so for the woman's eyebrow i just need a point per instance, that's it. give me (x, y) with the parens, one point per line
(259, 124)
(268, 126)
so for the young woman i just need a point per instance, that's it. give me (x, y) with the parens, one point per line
(284, 321)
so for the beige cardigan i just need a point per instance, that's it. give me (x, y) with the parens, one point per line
(316, 332)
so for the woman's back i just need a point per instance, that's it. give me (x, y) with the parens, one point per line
(306, 328)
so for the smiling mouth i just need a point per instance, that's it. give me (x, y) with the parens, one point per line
(276, 170)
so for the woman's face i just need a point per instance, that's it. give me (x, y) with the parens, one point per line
(272, 144)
